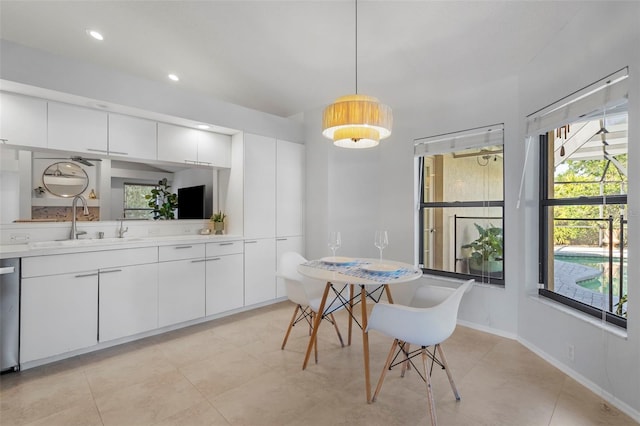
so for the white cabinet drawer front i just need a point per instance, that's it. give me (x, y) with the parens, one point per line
(88, 261)
(226, 247)
(180, 251)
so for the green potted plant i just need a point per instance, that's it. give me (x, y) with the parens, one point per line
(218, 222)
(163, 201)
(486, 252)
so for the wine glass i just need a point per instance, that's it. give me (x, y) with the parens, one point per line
(381, 240)
(334, 241)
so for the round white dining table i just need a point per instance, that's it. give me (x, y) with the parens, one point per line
(365, 273)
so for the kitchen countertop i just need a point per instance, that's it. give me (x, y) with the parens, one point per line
(44, 248)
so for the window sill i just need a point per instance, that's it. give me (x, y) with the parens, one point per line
(597, 323)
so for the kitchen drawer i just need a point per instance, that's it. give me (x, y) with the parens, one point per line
(180, 251)
(224, 247)
(87, 261)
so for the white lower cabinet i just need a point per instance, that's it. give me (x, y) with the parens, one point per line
(181, 291)
(259, 270)
(225, 289)
(58, 314)
(128, 302)
(284, 245)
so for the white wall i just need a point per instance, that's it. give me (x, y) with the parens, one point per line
(358, 191)
(603, 360)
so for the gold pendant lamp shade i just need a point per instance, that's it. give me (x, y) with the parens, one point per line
(357, 121)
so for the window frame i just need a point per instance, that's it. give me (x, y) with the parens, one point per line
(543, 247)
(422, 206)
(125, 209)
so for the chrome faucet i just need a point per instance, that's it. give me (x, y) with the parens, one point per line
(74, 230)
(122, 229)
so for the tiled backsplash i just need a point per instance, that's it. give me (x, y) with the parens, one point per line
(63, 213)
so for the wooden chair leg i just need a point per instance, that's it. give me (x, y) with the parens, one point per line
(315, 348)
(293, 319)
(311, 322)
(449, 375)
(384, 370)
(432, 406)
(335, 325)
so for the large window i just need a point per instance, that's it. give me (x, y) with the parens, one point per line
(583, 203)
(136, 206)
(461, 226)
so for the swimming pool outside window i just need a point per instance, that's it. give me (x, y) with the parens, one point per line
(583, 205)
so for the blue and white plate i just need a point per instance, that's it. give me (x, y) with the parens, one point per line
(338, 260)
(380, 268)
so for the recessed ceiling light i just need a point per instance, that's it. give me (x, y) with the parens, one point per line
(173, 77)
(95, 35)
(202, 126)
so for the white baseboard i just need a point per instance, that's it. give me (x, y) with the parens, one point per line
(621, 405)
(489, 330)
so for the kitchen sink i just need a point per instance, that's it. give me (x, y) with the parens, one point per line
(81, 242)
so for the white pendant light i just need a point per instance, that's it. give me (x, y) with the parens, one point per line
(357, 121)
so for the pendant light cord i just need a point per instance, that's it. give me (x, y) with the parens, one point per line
(356, 1)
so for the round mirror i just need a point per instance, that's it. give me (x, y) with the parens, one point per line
(65, 179)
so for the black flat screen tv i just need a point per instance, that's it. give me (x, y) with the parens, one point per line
(191, 202)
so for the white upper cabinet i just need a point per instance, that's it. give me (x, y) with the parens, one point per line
(186, 145)
(259, 186)
(23, 120)
(214, 149)
(74, 128)
(177, 143)
(132, 137)
(290, 188)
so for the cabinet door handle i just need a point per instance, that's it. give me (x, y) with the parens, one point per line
(93, 274)
(97, 150)
(225, 244)
(118, 152)
(7, 270)
(182, 247)
(198, 260)
(213, 258)
(281, 239)
(110, 271)
(250, 242)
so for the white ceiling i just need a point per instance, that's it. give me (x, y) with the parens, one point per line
(286, 57)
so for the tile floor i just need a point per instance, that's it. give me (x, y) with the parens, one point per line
(232, 372)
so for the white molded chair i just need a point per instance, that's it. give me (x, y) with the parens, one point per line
(306, 293)
(422, 326)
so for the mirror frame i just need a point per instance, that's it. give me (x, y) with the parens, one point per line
(75, 172)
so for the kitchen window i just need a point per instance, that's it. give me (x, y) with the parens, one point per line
(136, 206)
(461, 203)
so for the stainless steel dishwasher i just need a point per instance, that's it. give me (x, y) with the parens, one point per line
(9, 314)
